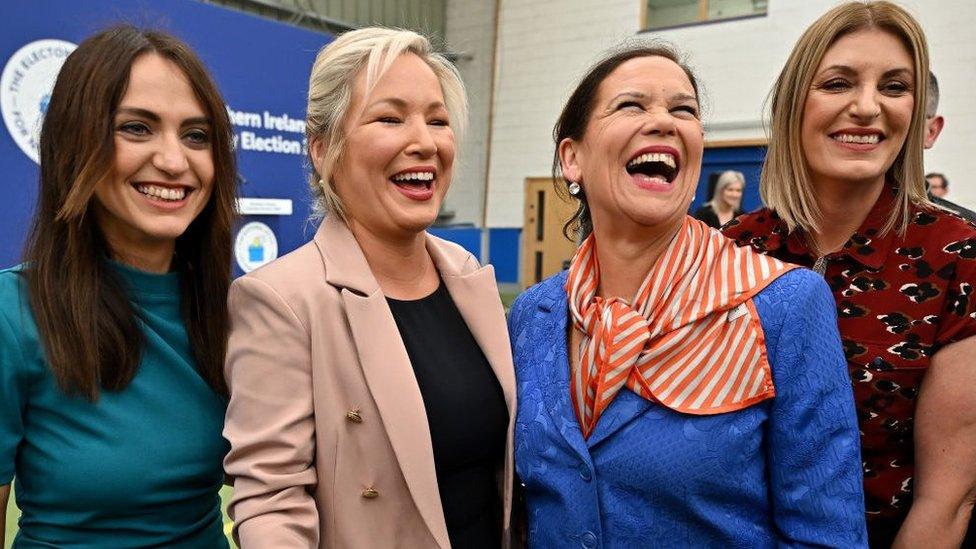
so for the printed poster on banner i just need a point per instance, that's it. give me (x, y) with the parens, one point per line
(255, 245)
(25, 89)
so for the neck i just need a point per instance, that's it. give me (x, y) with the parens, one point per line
(844, 206)
(156, 257)
(401, 264)
(722, 206)
(626, 257)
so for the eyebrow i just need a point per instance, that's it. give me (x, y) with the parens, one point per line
(639, 95)
(401, 104)
(850, 70)
(149, 115)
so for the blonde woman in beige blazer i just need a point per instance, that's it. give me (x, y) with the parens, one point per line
(348, 427)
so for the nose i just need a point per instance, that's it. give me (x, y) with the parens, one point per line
(170, 156)
(422, 142)
(658, 122)
(865, 103)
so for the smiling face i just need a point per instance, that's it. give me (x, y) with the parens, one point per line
(732, 195)
(163, 168)
(859, 109)
(399, 151)
(640, 157)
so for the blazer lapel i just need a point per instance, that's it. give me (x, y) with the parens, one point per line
(621, 411)
(554, 373)
(613, 418)
(386, 367)
(476, 297)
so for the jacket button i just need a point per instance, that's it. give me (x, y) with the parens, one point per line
(354, 416)
(370, 493)
(588, 540)
(584, 472)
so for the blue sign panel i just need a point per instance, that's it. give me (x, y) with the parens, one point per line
(260, 66)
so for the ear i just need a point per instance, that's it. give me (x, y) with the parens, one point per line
(933, 127)
(569, 160)
(317, 148)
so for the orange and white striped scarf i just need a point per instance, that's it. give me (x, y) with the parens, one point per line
(690, 339)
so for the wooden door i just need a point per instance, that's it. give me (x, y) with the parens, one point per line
(545, 251)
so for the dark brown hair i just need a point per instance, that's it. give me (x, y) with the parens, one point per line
(89, 329)
(576, 116)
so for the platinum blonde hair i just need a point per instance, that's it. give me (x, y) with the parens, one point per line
(785, 184)
(330, 90)
(726, 178)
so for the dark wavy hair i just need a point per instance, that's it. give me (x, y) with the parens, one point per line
(89, 329)
(576, 115)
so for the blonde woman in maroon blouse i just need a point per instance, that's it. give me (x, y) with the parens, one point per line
(845, 194)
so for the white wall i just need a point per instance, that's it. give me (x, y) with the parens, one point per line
(545, 45)
(470, 34)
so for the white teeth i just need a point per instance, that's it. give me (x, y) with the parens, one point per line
(870, 139)
(162, 192)
(665, 158)
(419, 176)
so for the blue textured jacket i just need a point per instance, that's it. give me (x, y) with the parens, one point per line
(782, 473)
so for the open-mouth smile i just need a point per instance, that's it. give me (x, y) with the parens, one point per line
(658, 164)
(858, 138)
(164, 193)
(416, 183)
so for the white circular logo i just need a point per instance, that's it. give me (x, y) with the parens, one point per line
(25, 89)
(255, 245)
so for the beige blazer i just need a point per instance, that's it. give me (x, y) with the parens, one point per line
(330, 445)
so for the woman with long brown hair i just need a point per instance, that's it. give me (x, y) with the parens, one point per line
(845, 194)
(112, 331)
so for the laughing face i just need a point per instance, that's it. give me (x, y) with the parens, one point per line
(640, 157)
(859, 108)
(163, 162)
(399, 152)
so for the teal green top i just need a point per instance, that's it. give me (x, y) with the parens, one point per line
(139, 467)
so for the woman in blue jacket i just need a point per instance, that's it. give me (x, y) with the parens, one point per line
(674, 390)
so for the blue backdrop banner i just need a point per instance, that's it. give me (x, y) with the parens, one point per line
(260, 66)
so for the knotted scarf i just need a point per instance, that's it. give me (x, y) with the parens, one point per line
(690, 339)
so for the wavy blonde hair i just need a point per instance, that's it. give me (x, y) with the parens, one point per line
(785, 183)
(330, 88)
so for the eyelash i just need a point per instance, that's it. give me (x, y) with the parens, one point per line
(893, 87)
(196, 136)
(394, 120)
(685, 108)
(136, 128)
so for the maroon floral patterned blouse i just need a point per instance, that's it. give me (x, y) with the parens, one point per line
(899, 300)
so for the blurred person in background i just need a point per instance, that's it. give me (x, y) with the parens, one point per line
(370, 371)
(673, 390)
(726, 203)
(113, 330)
(937, 183)
(845, 194)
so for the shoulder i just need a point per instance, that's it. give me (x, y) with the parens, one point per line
(290, 271)
(547, 293)
(18, 332)
(943, 229)
(754, 227)
(795, 298)
(294, 280)
(456, 258)
(13, 296)
(793, 288)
